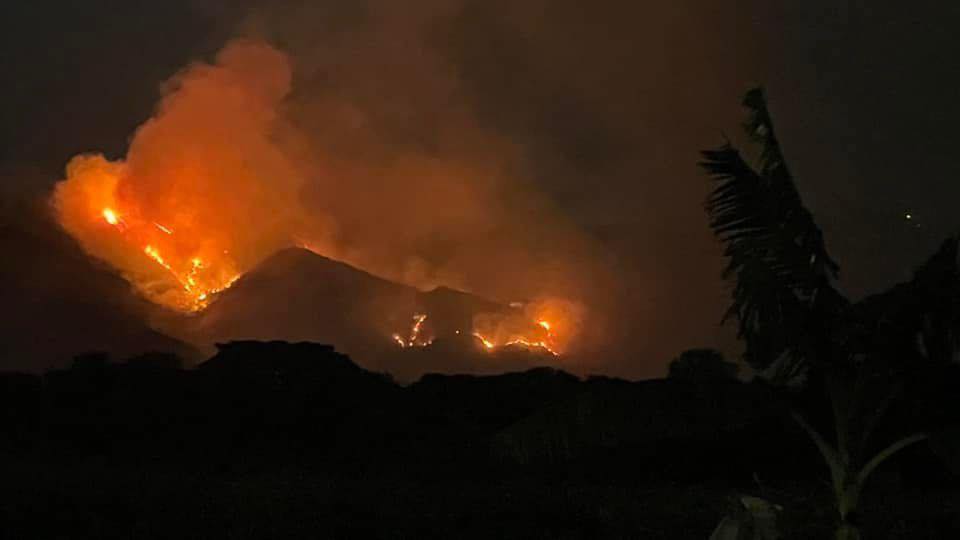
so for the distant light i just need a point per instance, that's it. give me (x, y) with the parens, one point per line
(908, 216)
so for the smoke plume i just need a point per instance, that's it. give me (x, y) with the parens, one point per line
(359, 154)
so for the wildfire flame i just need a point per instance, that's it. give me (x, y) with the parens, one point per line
(204, 192)
(415, 338)
(486, 343)
(527, 343)
(215, 181)
(536, 335)
(197, 284)
(110, 216)
(548, 324)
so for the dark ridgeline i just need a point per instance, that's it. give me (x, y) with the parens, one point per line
(298, 295)
(270, 439)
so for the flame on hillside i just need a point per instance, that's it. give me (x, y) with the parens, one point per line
(548, 324)
(203, 193)
(417, 337)
(181, 271)
(221, 177)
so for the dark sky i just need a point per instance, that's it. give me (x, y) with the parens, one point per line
(611, 103)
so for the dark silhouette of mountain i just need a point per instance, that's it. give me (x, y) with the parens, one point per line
(60, 303)
(451, 310)
(67, 303)
(297, 295)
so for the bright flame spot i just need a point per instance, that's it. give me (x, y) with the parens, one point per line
(162, 228)
(416, 334)
(488, 344)
(189, 281)
(110, 216)
(545, 325)
(155, 255)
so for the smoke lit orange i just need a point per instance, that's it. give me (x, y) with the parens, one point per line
(219, 179)
(203, 193)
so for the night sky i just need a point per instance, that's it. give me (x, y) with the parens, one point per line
(610, 105)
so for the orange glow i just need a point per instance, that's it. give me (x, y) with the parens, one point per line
(537, 336)
(548, 324)
(488, 344)
(155, 255)
(219, 178)
(193, 266)
(203, 193)
(517, 342)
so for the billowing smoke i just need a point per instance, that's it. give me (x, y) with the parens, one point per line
(206, 189)
(335, 150)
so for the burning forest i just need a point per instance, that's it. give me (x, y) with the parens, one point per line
(220, 178)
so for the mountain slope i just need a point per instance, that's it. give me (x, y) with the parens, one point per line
(59, 303)
(297, 295)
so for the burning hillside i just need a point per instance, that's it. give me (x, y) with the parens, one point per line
(220, 179)
(296, 295)
(187, 212)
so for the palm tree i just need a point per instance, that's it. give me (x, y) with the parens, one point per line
(793, 319)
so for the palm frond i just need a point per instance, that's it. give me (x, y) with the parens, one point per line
(775, 251)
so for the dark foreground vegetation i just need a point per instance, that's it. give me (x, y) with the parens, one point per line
(280, 440)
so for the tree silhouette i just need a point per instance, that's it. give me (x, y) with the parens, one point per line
(793, 319)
